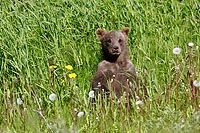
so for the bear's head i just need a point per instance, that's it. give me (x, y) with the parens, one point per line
(113, 42)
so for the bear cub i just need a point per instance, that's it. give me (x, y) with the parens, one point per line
(115, 72)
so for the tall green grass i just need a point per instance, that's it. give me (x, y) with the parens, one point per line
(35, 35)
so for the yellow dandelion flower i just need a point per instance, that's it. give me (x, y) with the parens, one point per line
(53, 66)
(50, 67)
(69, 67)
(72, 75)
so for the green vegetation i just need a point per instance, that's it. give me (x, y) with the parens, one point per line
(39, 38)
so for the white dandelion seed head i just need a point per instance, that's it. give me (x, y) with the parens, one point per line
(19, 101)
(80, 114)
(139, 102)
(176, 51)
(190, 44)
(196, 83)
(91, 94)
(52, 97)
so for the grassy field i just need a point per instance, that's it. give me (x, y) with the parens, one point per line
(38, 39)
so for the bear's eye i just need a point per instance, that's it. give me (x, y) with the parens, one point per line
(120, 40)
(108, 41)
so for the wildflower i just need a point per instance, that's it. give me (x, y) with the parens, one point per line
(80, 114)
(69, 67)
(139, 102)
(52, 97)
(176, 51)
(72, 75)
(19, 101)
(63, 81)
(197, 47)
(91, 94)
(196, 83)
(53, 66)
(190, 44)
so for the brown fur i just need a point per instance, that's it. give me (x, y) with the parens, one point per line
(116, 66)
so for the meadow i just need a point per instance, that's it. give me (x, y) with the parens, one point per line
(49, 54)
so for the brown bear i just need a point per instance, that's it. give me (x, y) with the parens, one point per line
(115, 72)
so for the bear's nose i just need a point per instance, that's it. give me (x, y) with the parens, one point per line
(115, 48)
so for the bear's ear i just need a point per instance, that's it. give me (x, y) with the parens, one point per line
(125, 31)
(100, 33)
